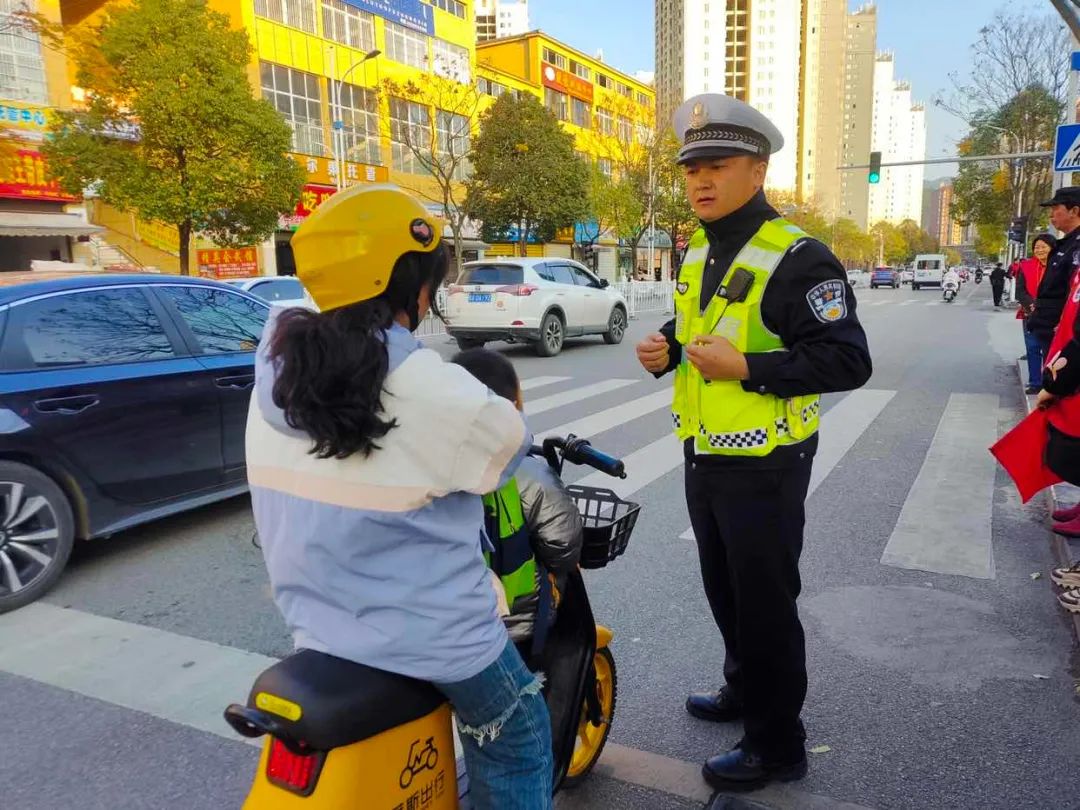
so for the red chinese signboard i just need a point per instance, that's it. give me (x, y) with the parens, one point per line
(24, 177)
(310, 198)
(567, 83)
(228, 262)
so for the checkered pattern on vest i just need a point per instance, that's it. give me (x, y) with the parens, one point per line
(758, 437)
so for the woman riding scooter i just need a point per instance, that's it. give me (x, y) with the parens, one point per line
(367, 458)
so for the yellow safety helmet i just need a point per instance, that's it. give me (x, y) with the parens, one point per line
(346, 250)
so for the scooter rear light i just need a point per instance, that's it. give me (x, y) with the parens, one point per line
(297, 773)
(518, 289)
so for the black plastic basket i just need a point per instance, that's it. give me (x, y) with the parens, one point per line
(608, 520)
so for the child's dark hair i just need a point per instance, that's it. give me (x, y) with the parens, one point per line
(492, 369)
(331, 365)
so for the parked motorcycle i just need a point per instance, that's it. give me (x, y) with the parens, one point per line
(341, 735)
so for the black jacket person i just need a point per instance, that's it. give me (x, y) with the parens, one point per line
(765, 323)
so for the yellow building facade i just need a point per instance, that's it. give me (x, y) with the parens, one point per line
(610, 114)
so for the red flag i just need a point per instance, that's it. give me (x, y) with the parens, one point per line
(1021, 452)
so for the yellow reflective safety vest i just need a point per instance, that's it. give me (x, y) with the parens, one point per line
(721, 417)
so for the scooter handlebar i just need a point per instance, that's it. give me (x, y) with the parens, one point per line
(581, 452)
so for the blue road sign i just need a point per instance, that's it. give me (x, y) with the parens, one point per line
(1067, 148)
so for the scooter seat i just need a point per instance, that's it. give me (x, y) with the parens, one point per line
(340, 702)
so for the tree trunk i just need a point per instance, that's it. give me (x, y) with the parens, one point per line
(523, 238)
(455, 229)
(185, 247)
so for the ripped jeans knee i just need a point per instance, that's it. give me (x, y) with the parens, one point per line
(505, 731)
(491, 729)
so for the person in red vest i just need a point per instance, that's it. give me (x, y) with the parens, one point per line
(1060, 400)
(1029, 275)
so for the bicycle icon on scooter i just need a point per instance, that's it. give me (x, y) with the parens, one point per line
(423, 760)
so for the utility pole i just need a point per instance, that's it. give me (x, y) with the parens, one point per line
(1070, 13)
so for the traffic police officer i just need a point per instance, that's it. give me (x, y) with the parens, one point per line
(765, 323)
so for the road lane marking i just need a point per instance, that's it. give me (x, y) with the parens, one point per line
(612, 417)
(643, 466)
(945, 524)
(172, 677)
(538, 406)
(538, 382)
(841, 427)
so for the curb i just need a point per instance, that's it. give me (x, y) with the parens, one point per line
(1066, 551)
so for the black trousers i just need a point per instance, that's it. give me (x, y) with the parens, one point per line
(749, 528)
(998, 289)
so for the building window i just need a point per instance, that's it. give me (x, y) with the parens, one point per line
(626, 130)
(624, 89)
(360, 116)
(296, 13)
(643, 99)
(556, 102)
(581, 113)
(580, 70)
(410, 132)
(406, 46)
(603, 81)
(556, 59)
(605, 121)
(455, 7)
(450, 61)
(347, 25)
(295, 95)
(604, 165)
(453, 142)
(22, 70)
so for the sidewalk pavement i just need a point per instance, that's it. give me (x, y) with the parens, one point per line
(1066, 550)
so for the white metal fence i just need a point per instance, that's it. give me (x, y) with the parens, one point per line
(641, 297)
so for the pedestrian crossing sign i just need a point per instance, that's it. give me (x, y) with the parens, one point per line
(1067, 148)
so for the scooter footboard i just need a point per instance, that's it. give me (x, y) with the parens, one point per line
(412, 765)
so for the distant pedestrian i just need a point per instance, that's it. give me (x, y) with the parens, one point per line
(1029, 276)
(997, 283)
(1050, 301)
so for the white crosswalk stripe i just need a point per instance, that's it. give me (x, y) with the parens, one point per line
(539, 382)
(538, 406)
(841, 427)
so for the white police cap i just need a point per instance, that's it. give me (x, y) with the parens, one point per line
(712, 125)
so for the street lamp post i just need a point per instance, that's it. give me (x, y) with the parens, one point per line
(338, 126)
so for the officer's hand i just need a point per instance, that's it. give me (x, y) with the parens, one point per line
(1044, 400)
(717, 359)
(652, 353)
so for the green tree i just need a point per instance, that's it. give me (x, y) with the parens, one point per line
(613, 207)
(196, 149)
(989, 240)
(674, 214)
(851, 244)
(916, 239)
(525, 172)
(891, 242)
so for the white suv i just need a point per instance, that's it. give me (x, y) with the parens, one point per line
(537, 301)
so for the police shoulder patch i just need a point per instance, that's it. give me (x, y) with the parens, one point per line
(827, 301)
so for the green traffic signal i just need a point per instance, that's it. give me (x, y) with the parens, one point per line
(875, 168)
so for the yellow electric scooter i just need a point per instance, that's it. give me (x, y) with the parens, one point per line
(344, 736)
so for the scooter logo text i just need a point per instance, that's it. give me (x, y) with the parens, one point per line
(420, 759)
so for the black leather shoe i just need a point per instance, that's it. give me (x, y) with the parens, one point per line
(740, 770)
(719, 707)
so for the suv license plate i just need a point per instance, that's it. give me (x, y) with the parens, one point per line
(479, 298)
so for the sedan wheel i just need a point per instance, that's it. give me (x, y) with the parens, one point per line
(36, 534)
(552, 335)
(616, 327)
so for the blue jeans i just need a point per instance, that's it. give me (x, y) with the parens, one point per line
(1035, 357)
(505, 730)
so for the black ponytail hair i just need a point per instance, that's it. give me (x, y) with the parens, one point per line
(331, 366)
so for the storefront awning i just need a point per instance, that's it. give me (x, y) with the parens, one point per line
(468, 244)
(21, 224)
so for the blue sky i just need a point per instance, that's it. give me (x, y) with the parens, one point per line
(930, 39)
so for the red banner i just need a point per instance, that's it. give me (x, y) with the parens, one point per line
(24, 176)
(567, 83)
(311, 198)
(228, 262)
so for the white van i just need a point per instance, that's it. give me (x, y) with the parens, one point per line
(929, 269)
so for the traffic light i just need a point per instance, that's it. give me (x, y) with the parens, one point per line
(875, 168)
